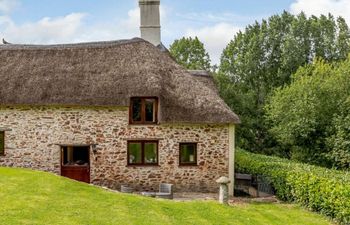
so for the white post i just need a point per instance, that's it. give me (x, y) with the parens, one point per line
(223, 193)
(231, 172)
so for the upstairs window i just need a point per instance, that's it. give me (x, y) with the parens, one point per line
(2, 142)
(188, 154)
(143, 110)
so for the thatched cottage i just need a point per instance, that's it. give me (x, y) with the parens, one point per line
(113, 113)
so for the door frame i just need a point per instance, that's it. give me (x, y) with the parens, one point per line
(76, 145)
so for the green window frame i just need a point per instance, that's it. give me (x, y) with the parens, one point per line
(143, 153)
(188, 154)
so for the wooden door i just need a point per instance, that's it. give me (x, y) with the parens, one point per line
(75, 163)
(79, 173)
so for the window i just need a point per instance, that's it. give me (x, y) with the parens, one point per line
(188, 154)
(2, 142)
(142, 152)
(143, 110)
(75, 155)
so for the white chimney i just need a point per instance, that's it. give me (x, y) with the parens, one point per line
(150, 21)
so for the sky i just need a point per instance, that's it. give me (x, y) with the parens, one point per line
(215, 22)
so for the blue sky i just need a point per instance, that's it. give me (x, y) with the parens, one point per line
(215, 22)
(106, 9)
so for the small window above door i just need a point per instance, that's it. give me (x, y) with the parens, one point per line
(143, 110)
(75, 156)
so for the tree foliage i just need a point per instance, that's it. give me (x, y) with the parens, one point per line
(311, 115)
(339, 141)
(264, 56)
(190, 53)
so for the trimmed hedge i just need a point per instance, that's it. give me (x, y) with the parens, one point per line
(323, 190)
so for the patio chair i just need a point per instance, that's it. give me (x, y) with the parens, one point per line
(165, 191)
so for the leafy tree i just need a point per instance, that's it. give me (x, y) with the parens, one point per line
(343, 41)
(264, 56)
(311, 115)
(190, 53)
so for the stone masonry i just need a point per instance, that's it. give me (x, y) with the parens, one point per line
(36, 131)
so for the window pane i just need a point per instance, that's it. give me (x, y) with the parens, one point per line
(2, 142)
(188, 153)
(75, 156)
(151, 153)
(65, 155)
(136, 109)
(150, 110)
(81, 155)
(135, 153)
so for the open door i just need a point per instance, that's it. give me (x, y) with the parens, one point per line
(75, 163)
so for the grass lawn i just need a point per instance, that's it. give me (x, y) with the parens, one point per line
(28, 197)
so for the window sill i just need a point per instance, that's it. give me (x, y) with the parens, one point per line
(188, 165)
(143, 165)
(143, 124)
(3, 129)
(74, 166)
(143, 139)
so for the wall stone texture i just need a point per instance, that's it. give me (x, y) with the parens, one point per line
(37, 131)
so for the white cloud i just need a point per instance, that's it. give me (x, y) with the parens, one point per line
(72, 28)
(76, 27)
(7, 6)
(132, 23)
(215, 38)
(46, 30)
(68, 28)
(318, 7)
(112, 30)
(121, 29)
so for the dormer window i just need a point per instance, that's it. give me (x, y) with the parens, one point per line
(143, 110)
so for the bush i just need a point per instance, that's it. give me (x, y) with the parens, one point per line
(319, 189)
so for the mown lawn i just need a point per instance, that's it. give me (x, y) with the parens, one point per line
(28, 197)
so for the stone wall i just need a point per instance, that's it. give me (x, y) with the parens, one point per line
(36, 131)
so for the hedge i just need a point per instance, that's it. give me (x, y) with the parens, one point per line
(323, 190)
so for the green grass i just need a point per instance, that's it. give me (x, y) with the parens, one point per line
(28, 197)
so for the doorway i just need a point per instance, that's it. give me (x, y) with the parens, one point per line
(75, 163)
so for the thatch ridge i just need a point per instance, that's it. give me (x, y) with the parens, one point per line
(97, 44)
(107, 74)
(200, 73)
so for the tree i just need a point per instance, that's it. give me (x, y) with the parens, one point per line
(339, 141)
(311, 115)
(190, 53)
(343, 42)
(264, 56)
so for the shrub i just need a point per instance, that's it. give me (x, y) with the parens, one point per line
(319, 189)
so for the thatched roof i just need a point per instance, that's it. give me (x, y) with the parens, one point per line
(205, 77)
(107, 74)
